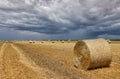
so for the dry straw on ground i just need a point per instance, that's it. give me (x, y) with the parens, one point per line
(92, 54)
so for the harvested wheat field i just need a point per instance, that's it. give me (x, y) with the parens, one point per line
(50, 60)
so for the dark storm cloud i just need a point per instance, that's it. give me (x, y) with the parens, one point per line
(46, 30)
(87, 18)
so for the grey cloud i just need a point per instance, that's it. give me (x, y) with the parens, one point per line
(45, 30)
(60, 17)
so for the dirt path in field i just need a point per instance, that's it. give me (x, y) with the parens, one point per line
(12, 67)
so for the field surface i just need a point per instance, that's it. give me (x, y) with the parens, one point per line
(50, 60)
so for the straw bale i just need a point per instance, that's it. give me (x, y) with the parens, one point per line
(92, 54)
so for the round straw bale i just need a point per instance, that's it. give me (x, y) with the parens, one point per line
(92, 54)
(108, 41)
(53, 41)
(42, 42)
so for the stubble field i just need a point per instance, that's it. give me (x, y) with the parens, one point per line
(50, 60)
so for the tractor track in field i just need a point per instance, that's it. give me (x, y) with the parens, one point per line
(12, 68)
(13, 65)
(2, 48)
(1, 51)
(31, 64)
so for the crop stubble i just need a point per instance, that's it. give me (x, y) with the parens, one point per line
(61, 62)
(56, 62)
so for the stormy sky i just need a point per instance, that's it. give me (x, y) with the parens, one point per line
(59, 19)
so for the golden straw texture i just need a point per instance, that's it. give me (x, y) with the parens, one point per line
(92, 54)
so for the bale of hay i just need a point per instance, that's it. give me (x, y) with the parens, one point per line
(92, 54)
(53, 41)
(42, 42)
(109, 41)
(33, 42)
(62, 41)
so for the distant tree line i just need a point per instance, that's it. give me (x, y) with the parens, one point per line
(115, 39)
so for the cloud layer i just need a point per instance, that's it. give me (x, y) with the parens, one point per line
(58, 18)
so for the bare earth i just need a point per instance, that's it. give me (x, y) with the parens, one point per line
(50, 60)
